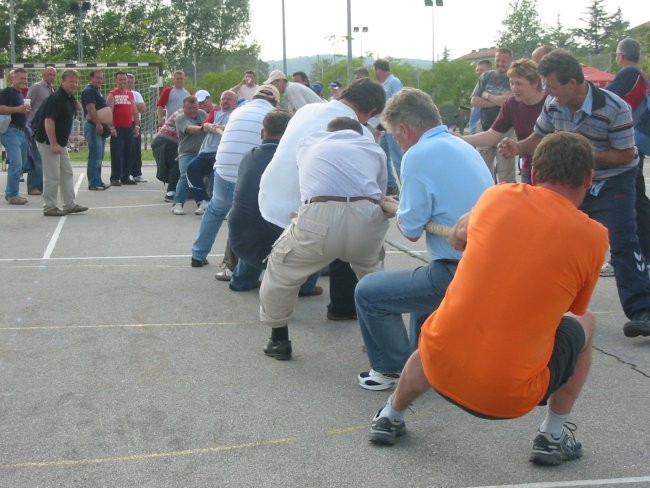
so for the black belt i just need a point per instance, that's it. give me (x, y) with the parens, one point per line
(340, 199)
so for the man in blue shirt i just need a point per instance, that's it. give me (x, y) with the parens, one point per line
(442, 178)
(95, 129)
(392, 85)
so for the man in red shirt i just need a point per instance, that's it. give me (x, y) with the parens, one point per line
(126, 127)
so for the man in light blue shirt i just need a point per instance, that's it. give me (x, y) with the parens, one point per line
(392, 85)
(442, 178)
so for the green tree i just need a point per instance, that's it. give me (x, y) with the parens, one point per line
(451, 82)
(523, 28)
(560, 36)
(600, 27)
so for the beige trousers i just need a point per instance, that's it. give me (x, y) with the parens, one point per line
(322, 232)
(57, 173)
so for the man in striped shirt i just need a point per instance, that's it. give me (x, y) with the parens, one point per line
(576, 105)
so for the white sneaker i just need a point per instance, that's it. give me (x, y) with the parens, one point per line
(169, 196)
(202, 206)
(177, 209)
(374, 380)
(607, 269)
(140, 179)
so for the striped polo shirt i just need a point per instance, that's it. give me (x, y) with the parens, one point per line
(242, 133)
(604, 119)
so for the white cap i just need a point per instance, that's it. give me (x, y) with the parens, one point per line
(201, 95)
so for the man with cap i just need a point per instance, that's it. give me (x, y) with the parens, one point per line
(335, 90)
(296, 95)
(242, 133)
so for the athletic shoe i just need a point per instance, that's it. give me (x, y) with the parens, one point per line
(549, 451)
(278, 349)
(374, 380)
(169, 196)
(101, 187)
(639, 325)
(140, 179)
(384, 431)
(607, 270)
(202, 206)
(177, 209)
(223, 275)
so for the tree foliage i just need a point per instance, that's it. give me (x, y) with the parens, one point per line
(523, 28)
(602, 28)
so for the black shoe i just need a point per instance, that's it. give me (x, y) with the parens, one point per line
(314, 292)
(129, 181)
(385, 432)
(278, 349)
(197, 263)
(101, 187)
(116, 183)
(549, 451)
(331, 316)
(639, 325)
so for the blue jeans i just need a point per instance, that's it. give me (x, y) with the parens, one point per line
(381, 299)
(247, 273)
(200, 167)
(613, 206)
(35, 174)
(181, 186)
(121, 161)
(15, 142)
(96, 146)
(213, 217)
(394, 155)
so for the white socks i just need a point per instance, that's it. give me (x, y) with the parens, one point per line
(553, 423)
(391, 413)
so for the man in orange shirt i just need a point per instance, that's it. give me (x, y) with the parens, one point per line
(498, 357)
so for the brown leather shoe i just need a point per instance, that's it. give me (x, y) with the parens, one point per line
(54, 212)
(17, 200)
(75, 209)
(35, 191)
(314, 292)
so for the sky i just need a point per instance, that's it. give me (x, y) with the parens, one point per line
(402, 28)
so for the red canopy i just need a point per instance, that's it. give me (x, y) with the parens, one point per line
(597, 77)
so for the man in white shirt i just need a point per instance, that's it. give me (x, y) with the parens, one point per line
(342, 175)
(279, 190)
(242, 133)
(296, 95)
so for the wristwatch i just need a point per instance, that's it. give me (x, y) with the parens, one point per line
(486, 95)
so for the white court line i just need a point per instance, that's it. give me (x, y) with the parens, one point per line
(563, 484)
(57, 232)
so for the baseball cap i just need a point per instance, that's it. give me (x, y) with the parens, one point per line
(317, 87)
(268, 92)
(335, 84)
(274, 76)
(201, 95)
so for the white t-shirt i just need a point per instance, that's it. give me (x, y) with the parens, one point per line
(246, 92)
(298, 95)
(341, 164)
(242, 133)
(279, 189)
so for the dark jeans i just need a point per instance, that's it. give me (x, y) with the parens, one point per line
(198, 168)
(343, 281)
(121, 147)
(613, 206)
(136, 156)
(642, 207)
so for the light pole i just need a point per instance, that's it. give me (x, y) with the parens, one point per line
(12, 33)
(284, 43)
(80, 8)
(429, 3)
(360, 30)
(349, 42)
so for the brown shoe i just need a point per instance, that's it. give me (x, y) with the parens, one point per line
(55, 212)
(76, 209)
(17, 200)
(35, 191)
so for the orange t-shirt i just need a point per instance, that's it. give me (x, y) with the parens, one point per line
(531, 256)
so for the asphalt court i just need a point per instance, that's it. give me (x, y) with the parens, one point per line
(120, 365)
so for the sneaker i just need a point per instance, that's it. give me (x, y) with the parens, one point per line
(278, 349)
(17, 200)
(223, 275)
(101, 187)
(202, 206)
(549, 451)
(639, 325)
(177, 209)
(140, 179)
(607, 270)
(374, 380)
(169, 196)
(384, 431)
(197, 263)
(75, 209)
